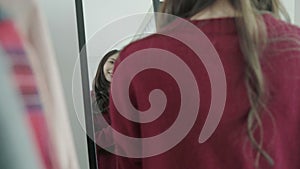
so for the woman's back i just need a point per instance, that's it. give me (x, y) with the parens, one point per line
(229, 146)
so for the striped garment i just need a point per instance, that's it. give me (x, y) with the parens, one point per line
(24, 79)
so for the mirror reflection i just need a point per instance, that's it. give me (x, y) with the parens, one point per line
(224, 49)
(103, 46)
(100, 103)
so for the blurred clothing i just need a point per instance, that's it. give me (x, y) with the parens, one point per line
(26, 86)
(31, 26)
(18, 148)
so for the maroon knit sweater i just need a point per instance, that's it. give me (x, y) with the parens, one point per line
(229, 146)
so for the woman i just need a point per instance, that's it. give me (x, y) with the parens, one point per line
(261, 57)
(100, 97)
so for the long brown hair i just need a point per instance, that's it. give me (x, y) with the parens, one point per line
(252, 33)
(101, 85)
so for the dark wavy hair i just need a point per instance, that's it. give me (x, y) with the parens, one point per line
(101, 85)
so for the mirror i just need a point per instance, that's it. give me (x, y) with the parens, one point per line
(103, 30)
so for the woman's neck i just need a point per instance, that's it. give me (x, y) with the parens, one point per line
(220, 9)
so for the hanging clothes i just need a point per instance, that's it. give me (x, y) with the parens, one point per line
(31, 25)
(26, 87)
(18, 149)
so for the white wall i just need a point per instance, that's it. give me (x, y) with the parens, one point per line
(297, 12)
(293, 8)
(99, 14)
(290, 7)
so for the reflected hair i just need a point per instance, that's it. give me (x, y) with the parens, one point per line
(253, 38)
(101, 85)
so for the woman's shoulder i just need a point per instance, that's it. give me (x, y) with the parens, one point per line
(279, 28)
(152, 41)
(282, 53)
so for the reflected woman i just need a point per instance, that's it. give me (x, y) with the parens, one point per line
(100, 99)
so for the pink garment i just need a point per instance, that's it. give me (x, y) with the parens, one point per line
(34, 34)
(27, 88)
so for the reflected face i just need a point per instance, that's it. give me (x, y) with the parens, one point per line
(109, 66)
